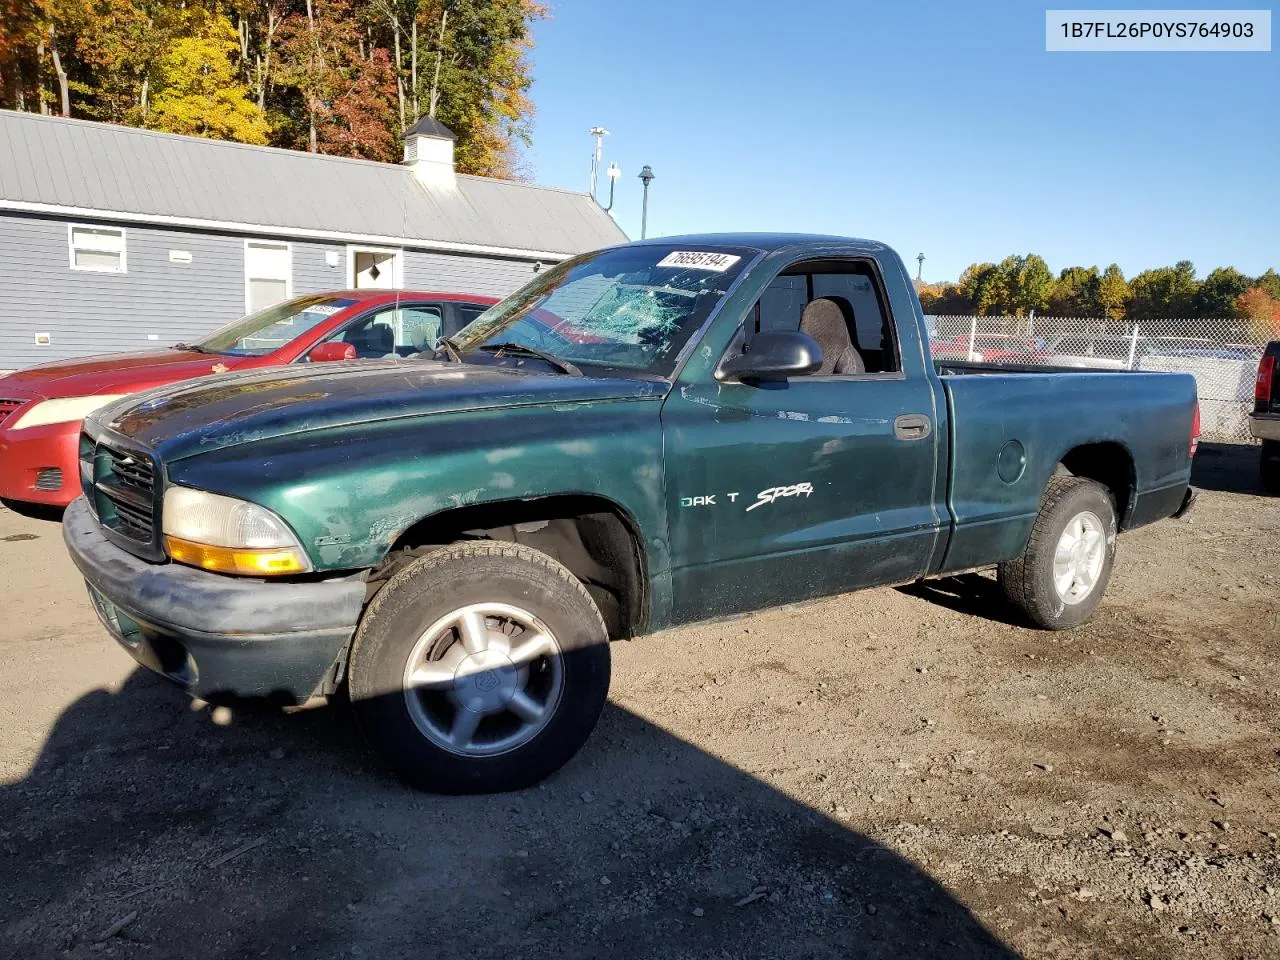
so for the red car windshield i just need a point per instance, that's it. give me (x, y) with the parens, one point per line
(268, 330)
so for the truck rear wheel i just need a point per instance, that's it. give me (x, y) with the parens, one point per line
(1269, 464)
(479, 668)
(1060, 578)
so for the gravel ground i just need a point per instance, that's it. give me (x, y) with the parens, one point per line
(886, 774)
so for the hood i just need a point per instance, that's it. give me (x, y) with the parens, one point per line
(111, 373)
(215, 412)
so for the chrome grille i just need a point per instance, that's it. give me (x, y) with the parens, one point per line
(120, 486)
(49, 479)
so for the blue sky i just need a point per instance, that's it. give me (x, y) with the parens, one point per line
(942, 128)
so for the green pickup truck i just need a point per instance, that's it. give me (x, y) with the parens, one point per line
(641, 437)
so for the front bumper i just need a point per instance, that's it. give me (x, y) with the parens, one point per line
(215, 636)
(1265, 428)
(29, 457)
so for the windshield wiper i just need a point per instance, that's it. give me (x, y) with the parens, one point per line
(564, 366)
(450, 349)
(193, 347)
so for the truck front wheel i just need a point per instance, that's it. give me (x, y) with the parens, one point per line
(480, 667)
(1060, 578)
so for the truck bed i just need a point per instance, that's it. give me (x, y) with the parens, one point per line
(1010, 426)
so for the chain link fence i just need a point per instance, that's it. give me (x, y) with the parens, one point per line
(1222, 354)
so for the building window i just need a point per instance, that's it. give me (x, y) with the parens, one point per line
(100, 249)
(268, 273)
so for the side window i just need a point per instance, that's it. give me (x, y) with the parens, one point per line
(394, 332)
(420, 329)
(857, 296)
(468, 312)
(853, 288)
(782, 303)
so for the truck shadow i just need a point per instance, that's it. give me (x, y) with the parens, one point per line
(969, 593)
(1228, 467)
(265, 834)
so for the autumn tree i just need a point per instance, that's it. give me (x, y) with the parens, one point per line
(944, 299)
(344, 89)
(335, 76)
(196, 90)
(1269, 282)
(1261, 310)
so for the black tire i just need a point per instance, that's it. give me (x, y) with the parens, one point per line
(448, 579)
(1028, 581)
(1269, 465)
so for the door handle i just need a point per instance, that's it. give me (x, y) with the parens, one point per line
(911, 426)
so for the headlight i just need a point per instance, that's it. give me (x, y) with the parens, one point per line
(228, 535)
(64, 410)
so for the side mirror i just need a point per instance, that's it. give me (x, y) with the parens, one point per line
(332, 351)
(774, 355)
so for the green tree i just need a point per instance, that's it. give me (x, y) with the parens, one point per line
(1075, 294)
(197, 91)
(1114, 293)
(1269, 282)
(1218, 292)
(475, 78)
(985, 286)
(1029, 283)
(1164, 293)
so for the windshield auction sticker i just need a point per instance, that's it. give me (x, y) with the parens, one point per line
(1121, 31)
(699, 260)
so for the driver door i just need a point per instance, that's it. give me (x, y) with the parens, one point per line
(778, 492)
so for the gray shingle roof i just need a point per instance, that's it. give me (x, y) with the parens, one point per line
(80, 165)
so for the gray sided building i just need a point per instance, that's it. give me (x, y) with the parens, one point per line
(117, 239)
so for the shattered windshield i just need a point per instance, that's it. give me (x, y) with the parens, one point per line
(628, 308)
(267, 330)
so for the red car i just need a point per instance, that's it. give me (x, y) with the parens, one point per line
(41, 407)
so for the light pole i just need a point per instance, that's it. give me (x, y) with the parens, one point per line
(599, 133)
(646, 177)
(920, 268)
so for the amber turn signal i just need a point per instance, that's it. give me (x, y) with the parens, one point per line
(272, 562)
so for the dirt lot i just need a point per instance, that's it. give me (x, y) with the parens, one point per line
(894, 773)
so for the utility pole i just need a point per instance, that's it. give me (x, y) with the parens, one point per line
(646, 177)
(599, 133)
(920, 268)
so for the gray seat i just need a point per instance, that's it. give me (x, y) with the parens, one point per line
(374, 340)
(824, 321)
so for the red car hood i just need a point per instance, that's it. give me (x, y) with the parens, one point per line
(112, 373)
